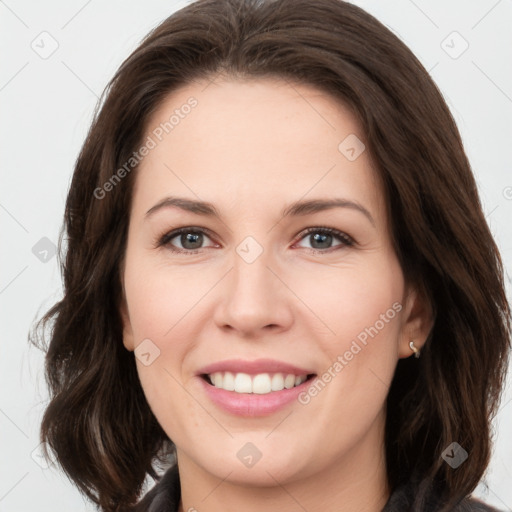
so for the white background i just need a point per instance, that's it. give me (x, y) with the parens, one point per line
(46, 109)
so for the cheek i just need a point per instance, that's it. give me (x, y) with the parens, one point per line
(161, 303)
(166, 305)
(158, 298)
(355, 302)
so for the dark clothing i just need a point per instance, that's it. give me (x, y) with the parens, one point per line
(165, 497)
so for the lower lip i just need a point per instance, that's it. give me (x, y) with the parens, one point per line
(253, 404)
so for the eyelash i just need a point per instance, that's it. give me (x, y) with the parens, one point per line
(346, 240)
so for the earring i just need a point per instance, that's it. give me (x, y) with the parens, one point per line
(414, 349)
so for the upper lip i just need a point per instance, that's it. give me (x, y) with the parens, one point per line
(253, 367)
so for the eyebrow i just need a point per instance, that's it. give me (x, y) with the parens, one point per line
(298, 208)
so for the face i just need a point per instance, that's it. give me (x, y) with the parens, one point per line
(261, 288)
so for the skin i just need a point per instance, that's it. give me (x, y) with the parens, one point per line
(251, 148)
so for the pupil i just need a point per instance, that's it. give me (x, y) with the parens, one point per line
(321, 238)
(191, 238)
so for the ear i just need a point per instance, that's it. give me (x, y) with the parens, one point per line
(128, 340)
(418, 321)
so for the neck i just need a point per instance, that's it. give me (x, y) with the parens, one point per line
(355, 482)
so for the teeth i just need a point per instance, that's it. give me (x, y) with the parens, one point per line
(217, 379)
(228, 383)
(277, 383)
(243, 383)
(261, 384)
(289, 382)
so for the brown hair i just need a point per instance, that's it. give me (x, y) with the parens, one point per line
(98, 421)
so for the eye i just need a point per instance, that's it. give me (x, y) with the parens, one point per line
(321, 238)
(189, 240)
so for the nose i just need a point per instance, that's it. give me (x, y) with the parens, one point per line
(253, 299)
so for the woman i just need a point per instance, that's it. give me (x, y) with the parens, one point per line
(279, 281)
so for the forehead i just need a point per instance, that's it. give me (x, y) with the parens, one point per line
(239, 141)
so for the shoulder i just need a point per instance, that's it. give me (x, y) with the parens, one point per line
(164, 496)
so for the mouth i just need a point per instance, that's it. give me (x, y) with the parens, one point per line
(259, 384)
(258, 387)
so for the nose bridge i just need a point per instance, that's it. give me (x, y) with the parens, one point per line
(253, 297)
(251, 280)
